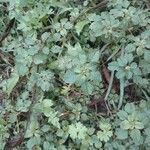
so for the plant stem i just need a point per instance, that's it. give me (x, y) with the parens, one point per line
(146, 95)
(110, 86)
(108, 90)
(99, 5)
(121, 93)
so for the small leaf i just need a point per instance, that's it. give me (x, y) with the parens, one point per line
(56, 49)
(22, 69)
(94, 56)
(33, 141)
(87, 87)
(113, 66)
(136, 136)
(47, 103)
(80, 25)
(122, 115)
(125, 125)
(45, 36)
(46, 145)
(70, 77)
(147, 55)
(130, 48)
(122, 134)
(40, 58)
(139, 51)
(139, 125)
(11, 83)
(53, 119)
(77, 130)
(129, 107)
(104, 135)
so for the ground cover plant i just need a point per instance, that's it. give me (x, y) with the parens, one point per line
(74, 75)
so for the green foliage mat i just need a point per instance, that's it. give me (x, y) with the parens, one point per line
(74, 74)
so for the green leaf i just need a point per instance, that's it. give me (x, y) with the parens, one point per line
(80, 25)
(46, 145)
(77, 131)
(70, 77)
(122, 115)
(52, 118)
(139, 125)
(147, 131)
(87, 87)
(56, 49)
(129, 108)
(13, 117)
(23, 105)
(106, 132)
(113, 66)
(130, 48)
(97, 143)
(139, 51)
(147, 55)
(32, 128)
(91, 131)
(75, 51)
(47, 103)
(22, 69)
(121, 134)
(104, 135)
(45, 36)
(44, 80)
(45, 128)
(147, 140)
(33, 141)
(39, 58)
(11, 82)
(136, 136)
(105, 126)
(94, 56)
(60, 133)
(125, 125)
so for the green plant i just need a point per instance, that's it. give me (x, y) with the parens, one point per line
(74, 74)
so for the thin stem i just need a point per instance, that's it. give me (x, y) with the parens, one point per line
(110, 86)
(147, 3)
(121, 93)
(100, 5)
(146, 95)
(108, 90)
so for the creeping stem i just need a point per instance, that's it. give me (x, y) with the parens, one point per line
(121, 92)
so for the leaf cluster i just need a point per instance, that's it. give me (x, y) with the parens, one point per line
(75, 75)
